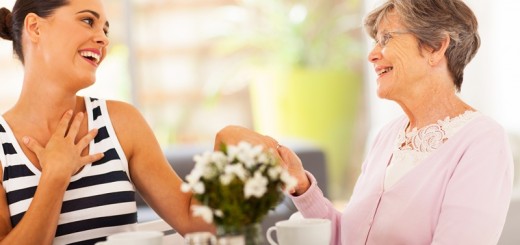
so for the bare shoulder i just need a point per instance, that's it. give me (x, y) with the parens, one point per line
(129, 124)
(121, 109)
(125, 114)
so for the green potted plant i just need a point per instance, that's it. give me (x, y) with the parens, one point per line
(303, 60)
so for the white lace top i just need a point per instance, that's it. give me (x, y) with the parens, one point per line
(416, 145)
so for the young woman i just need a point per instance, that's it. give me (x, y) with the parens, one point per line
(70, 164)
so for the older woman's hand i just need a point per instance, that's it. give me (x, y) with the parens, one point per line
(293, 164)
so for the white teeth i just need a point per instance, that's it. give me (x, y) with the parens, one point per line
(383, 71)
(89, 54)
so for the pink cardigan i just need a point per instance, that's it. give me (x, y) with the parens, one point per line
(459, 195)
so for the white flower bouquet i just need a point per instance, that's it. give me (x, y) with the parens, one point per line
(238, 185)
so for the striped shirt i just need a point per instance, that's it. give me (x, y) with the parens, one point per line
(100, 199)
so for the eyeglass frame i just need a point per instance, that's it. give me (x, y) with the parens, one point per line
(385, 38)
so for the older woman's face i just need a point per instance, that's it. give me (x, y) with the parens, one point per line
(399, 65)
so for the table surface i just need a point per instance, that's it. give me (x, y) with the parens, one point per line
(173, 239)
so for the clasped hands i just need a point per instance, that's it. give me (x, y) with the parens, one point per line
(232, 135)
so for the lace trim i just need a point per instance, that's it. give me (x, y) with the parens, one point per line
(413, 147)
(431, 137)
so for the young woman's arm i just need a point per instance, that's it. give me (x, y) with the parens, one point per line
(150, 171)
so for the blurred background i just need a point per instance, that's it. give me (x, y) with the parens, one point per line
(291, 69)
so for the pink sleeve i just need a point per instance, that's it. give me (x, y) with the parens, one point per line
(478, 194)
(312, 204)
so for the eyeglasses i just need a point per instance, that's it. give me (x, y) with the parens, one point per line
(383, 40)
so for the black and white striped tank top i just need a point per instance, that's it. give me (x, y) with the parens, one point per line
(99, 200)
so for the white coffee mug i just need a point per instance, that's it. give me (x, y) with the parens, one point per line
(301, 232)
(136, 238)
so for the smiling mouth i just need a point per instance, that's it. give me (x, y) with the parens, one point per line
(383, 71)
(91, 56)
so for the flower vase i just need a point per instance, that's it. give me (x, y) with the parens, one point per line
(240, 234)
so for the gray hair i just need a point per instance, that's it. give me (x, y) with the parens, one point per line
(430, 21)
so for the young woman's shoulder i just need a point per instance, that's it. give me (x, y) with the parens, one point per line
(120, 109)
(129, 125)
(125, 116)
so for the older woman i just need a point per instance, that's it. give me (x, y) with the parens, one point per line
(71, 164)
(441, 174)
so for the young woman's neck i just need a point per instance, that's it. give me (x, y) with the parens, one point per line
(44, 103)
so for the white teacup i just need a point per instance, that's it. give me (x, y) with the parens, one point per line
(301, 232)
(136, 238)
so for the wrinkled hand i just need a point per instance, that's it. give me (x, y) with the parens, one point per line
(294, 166)
(62, 155)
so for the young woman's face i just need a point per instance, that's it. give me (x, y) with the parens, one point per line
(75, 40)
(397, 60)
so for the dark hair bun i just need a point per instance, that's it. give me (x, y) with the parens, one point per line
(6, 24)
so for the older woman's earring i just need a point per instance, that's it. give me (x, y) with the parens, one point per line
(430, 61)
